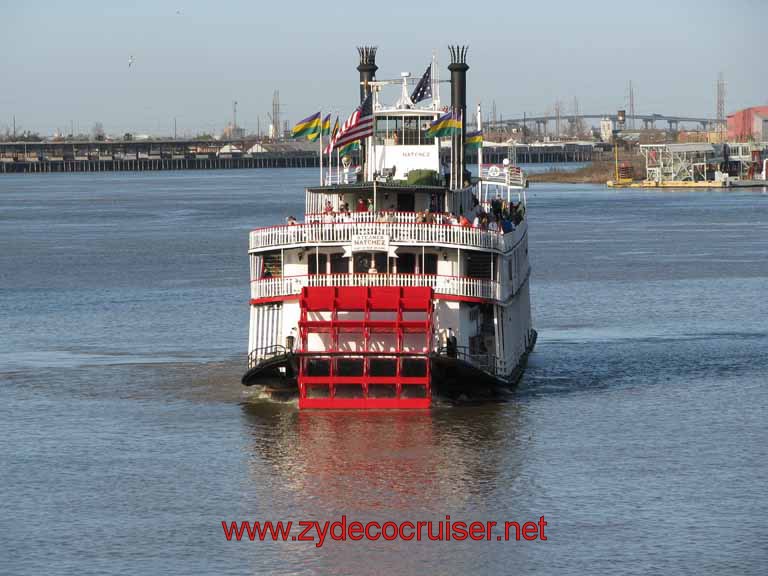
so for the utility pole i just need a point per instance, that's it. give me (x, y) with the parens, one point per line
(276, 115)
(525, 127)
(14, 127)
(234, 119)
(631, 106)
(174, 127)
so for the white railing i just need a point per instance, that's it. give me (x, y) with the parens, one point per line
(367, 217)
(410, 233)
(449, 285)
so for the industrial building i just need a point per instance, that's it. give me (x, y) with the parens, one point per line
(749, 125)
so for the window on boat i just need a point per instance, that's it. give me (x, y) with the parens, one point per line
(411, 130)
(424, 123)
(406, 202)
(317, 261)
(339, 264)
(364, 262)
(399, 130)
(478, 265)
(406, 263)
(380, 258)
(430, 263)
(268, 265)
(389, 130)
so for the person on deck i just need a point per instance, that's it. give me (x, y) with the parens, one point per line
(361, 205)
(496, 206)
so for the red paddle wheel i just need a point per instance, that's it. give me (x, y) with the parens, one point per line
(365, 347)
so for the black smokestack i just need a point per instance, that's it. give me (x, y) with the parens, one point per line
(367, 68)
(458, 68)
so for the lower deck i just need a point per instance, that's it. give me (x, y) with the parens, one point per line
(385, 346)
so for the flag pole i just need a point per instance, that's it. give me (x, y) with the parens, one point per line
(454, 153)
(480, 150)
(330, 163)
(322, 176)
(461, 148)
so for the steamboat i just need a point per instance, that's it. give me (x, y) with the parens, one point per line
(408, 279)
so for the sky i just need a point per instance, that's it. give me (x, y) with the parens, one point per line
(64, 63)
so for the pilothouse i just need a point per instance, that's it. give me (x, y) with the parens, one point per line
(408, 277)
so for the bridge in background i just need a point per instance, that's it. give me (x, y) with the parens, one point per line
(648, 120)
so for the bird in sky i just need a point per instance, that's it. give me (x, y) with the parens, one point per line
(131, 60)
(178, 11)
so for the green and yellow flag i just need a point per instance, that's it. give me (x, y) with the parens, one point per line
(447, 125)
(327, 125)
(349, 148)
(335, 129)
(473, 140)
(309, 127)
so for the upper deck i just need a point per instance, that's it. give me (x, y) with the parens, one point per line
(400, 227)
(480, 219)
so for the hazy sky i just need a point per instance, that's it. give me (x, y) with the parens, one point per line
(68, 61)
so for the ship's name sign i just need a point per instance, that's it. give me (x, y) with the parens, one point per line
(370, 243)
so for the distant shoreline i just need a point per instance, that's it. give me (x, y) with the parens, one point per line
(597, 172)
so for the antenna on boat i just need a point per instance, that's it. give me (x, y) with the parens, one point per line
(405, 98)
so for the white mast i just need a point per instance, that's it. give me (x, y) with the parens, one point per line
(435, 82)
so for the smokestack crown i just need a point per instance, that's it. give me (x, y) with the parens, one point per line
(367, 56)
(458, 56)
(367, 68)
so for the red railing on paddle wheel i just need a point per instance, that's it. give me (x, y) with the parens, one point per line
(365, 347)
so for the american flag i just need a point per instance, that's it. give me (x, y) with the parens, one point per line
(423, 89)
(359, 125)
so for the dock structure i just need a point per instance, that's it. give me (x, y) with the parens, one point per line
(144, 155)
(702, 165)
(145, 164)
(534, 153)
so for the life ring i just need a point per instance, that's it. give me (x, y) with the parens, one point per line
(493, 171)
